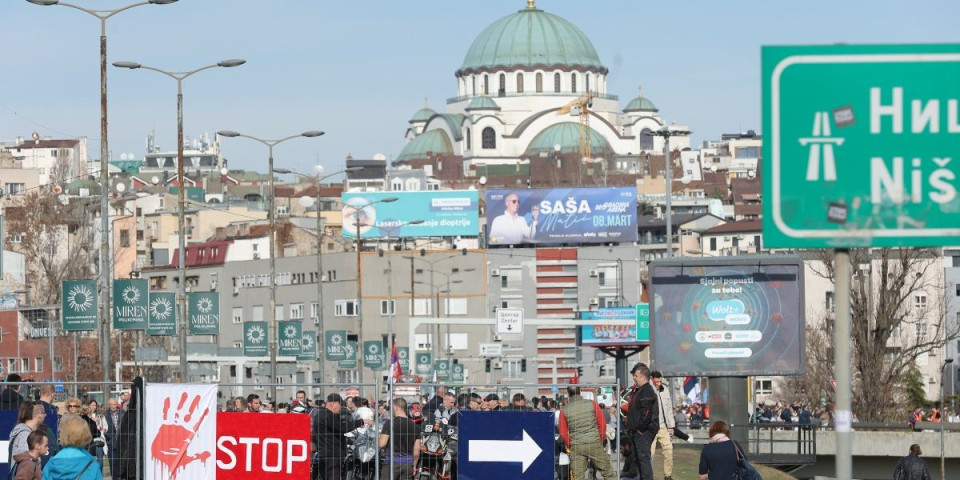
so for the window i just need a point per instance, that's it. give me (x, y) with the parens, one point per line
(233, 371)
(279, 312)
(347, 376)
(488, 138)
(503, 85)
(315, 310)
(958, 289)
(920, 301)
(38, 364)
(296, 311)
(510, 278)
(573, 82)
(124, 238)
(486, 84)
(283, 209)
(15, 188)
(539, 82)
(457, 341)
(512, 368)
(423, 341)
(422, 306)
(602, 278)
(16, 238)
(763, 386)
(519, 82)
(388, 307)
(504, 281)
(586, 83)
(237, 314)
(257, 313)
(473, 85)
(248, 372)
(556, 82)
(12, 365)
(57, 364)
(830, 302)
(467, 134)
(713, 244)
(456, 306)
(921, 329)
(235, 345)
(345, 308)
(24, 364)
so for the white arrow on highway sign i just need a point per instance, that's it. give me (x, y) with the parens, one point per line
(524, 451)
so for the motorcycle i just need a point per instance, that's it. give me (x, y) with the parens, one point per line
(437, 441)
(362, 453)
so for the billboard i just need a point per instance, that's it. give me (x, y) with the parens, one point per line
(727, 316)
(612, 335)
(447, 213)
(561, 215)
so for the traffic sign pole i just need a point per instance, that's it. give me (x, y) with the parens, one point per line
(841, 353)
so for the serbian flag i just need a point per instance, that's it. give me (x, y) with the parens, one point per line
(395, 370)
(691, 388)
(576, 379)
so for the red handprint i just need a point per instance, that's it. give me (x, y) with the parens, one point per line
(174, 436)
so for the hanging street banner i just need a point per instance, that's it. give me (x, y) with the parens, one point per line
(308, 346)
(78, 301)
(374, 356)
(255, 339)
(443, 370)
(163, 314)
(457, 373)
(291, 335)
(180, 431)
(424, 363)
(403, 356)
(861, 146)
(130, 303)
(335, 344)
(204, 313)
(446, 213)
(350, 355)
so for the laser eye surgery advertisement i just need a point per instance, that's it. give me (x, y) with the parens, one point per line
(561, 215)
(446, 213)
(727, 320)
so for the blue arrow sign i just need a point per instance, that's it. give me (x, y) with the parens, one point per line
(505, 445)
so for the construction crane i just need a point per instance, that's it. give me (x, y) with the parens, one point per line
(583, 104)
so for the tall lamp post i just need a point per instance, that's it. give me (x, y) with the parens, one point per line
(665, 132)
(435, 343)
(181, 199)
(103, 15)
(943, 474)
(272, 215)
(318, 179)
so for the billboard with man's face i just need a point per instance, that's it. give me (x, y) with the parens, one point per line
(561, 215)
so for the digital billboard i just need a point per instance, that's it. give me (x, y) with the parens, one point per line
(561, 215)
(446, 213)
(727, 316)
(613, 335)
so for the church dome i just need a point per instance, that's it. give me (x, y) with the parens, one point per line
(567, 136)
(433, 141)
(640, 104)
(423, 115)
(483, 103)
(531, 38)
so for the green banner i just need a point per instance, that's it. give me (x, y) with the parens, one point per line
(443, 370)
(291, 334)
(374, 356)
(204, 313)
(350, 358)
(78, 300)
(130, 303)
(334, 344)
(424, 363)
(403, 356)
(255, 339)
(457, 373)
(643, 322)
(308, 346)
(163, 314)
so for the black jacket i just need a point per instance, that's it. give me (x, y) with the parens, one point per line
(911, 467)
(642, 415)
(10, 399)
(129, 434)
(329, 429)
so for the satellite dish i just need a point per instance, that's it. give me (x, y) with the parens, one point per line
(685, 179)
(155, 180)
(121, 187)
(557, 147)
(380, 157)
(751, 173)
(306, 201)
(483, 180)
(713, 168)
(123, 156)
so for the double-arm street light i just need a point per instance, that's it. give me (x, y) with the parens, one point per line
(317, 179)
(103, 15)
(666, 132)
(413, 258)
(181, 199)
(272, 215)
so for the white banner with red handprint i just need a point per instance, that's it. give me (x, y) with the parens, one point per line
(180, 429)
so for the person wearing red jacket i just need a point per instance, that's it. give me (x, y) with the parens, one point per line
(582, 426)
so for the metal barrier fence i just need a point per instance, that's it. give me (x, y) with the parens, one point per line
(122, 430)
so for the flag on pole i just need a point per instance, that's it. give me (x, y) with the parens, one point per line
(576, 379)
(395, 369)
(691, 388)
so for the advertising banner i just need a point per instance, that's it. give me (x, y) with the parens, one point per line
(442, 368)
(79, 305)
(728, 316)
(308, 346)
(374, 356)
(204, 313)
(255, 339)
(335, 344)
(350, 355)
(291, 334)
(181, 431)
(263, 447)
(403, 357)
(424, 363)
(613, 335)
(163, 314)
(445, 213)
(561, 215)
(130, 304)
(456, 374)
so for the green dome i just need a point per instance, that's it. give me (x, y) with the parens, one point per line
(640, 104)
(528, 38)
(423, 115)
(435, 141)
(567, 135)
(483, 103)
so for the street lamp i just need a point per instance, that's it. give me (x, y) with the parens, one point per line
(181, 199)
(272, 215)
(319, 170)
(412, 258)
(665, 133)
(943, 474)
(103, 15)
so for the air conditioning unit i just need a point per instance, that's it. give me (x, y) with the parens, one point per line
(497, 338)
(594, 301)
(213, 285)
(236, 291)
(498, 365)
(594, 273)
(495, 272)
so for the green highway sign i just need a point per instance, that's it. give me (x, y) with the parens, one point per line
(862, 146)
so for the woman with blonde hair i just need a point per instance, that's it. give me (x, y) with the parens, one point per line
(73, 462)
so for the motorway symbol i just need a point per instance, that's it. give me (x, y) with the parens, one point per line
(505, 445)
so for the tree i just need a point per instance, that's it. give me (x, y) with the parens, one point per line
(898, 308)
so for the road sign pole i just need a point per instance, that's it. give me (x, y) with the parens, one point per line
(841, 343)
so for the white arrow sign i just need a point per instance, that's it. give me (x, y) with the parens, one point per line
(524, 451)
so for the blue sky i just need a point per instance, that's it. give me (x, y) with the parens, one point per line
(359, 70)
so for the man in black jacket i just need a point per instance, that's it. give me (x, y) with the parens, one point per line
(329, 428)
(10, 398)
(643, 420)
